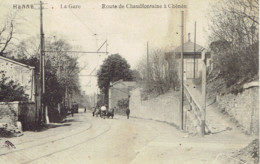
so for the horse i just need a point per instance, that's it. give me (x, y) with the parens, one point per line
(110, 113)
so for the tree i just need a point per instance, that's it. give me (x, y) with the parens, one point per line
(61, 70)
(6, 33)
(114, 68)
(236, 22)
(10, 91)
(136, 75)
(162, 72)
(234, 40)
(62, 80)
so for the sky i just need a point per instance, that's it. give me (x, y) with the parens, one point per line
(127, 30)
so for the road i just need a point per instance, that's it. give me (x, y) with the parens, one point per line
(84, 139)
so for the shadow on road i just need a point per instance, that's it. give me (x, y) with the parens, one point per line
(53, 125)
(72, 120)
(227, 129)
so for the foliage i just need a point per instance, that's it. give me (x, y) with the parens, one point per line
(162, 72)
(54, 91)
(235, 41)
(62, 65)
(114, 68)
(10, 91)
(61, 70)
(136, 75)
(123, 103)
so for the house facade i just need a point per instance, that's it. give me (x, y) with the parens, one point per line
(119, 90)
(21, 74)
(192, 60)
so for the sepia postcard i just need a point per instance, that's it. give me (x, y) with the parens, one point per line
(129, 81)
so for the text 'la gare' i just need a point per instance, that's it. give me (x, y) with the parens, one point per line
(70, 6)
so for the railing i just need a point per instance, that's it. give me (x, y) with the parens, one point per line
(195, 107)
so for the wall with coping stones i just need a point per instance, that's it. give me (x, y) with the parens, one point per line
(243, 107)
(9, 113)
(162, 108)
(25, 112)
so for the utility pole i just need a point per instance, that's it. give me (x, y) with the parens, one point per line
(43, 82)
(42, 112)
(148, 70)
(203, 90)
(41, 63)
(182, 49)
(94, 99)
(106, 47)
(194, 70)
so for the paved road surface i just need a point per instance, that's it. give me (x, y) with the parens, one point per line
(84, 139)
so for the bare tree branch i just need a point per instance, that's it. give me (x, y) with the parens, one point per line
(8, 39)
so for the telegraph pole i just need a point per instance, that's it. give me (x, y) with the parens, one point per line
(42, 51)
(203, 90)
(194, 76)
(148, 73)
(42, 67)
(182, 49)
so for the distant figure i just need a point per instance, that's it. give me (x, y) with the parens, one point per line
(85, 109)
(94, 111)
(72, 111)
(127, 112)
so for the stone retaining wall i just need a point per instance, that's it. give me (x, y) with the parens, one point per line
(9, 113)
(244, 108)
(163, 108)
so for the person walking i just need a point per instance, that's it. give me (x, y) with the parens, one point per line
(94, 111)
(127, 112)
(72, 111)
(85, 109)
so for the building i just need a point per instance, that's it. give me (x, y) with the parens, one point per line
(21, 74)
(192, 60)
(119, 90)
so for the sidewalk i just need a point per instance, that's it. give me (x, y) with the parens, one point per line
(176, 148)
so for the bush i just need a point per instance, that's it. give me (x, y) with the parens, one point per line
(235, 66)
(162, 73)
(10, 91)
(123, 103)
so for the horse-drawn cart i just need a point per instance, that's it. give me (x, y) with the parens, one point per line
(104, 112)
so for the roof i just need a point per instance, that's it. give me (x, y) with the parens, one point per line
(126, 83)
(189, 48)
(16, 62)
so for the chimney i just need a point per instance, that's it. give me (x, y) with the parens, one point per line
(188, 37)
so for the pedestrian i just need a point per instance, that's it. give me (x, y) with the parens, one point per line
(127, 112)
(94, 111)
(72, 111)
(85, 109)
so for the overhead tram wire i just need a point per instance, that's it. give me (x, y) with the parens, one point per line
(96, 64)
(93, 33)
(84, 52)
(96, 43)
